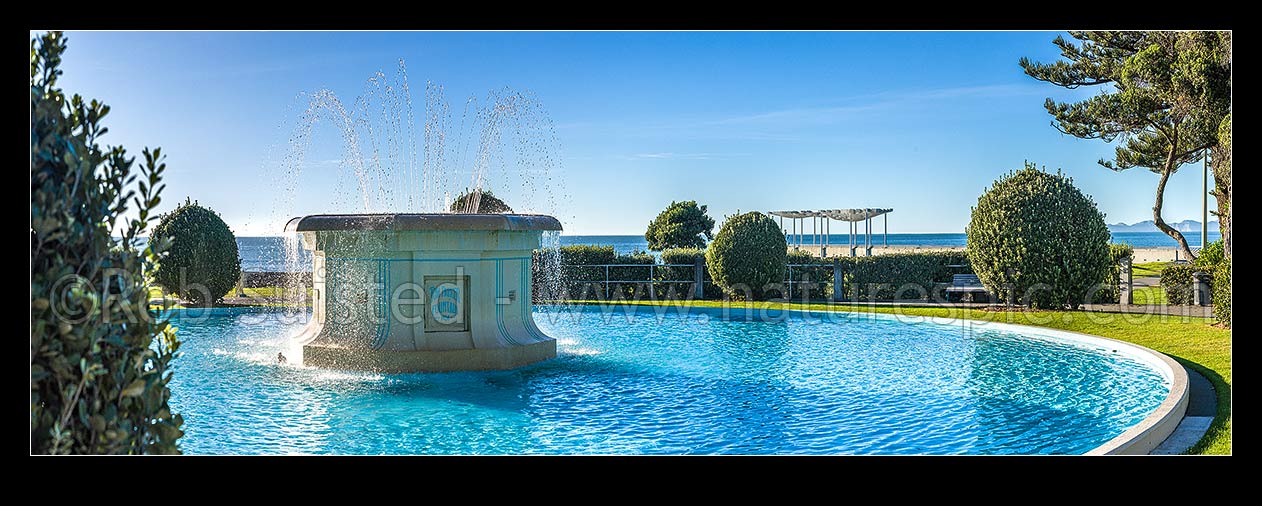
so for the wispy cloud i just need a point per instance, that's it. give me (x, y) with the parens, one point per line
(802, 123)
(858, 105)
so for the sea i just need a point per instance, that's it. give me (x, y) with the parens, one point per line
(260, 254)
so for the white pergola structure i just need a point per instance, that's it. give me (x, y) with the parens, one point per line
(820, 224)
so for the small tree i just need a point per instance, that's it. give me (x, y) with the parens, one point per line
(681, 225)
(1034, 237)
(747, 254)
(1169, 92)
(479, 201)
(202, 264)
(100, 363)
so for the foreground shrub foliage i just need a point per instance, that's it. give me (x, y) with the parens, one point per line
(202, 264)
(1035, 239)
(100, 363)
(747, 255)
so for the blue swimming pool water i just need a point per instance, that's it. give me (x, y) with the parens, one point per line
(641, 383)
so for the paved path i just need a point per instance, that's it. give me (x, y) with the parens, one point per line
(1202, 406)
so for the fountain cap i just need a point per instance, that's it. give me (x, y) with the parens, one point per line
(426, 221)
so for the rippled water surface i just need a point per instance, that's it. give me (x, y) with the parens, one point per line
(643, 383)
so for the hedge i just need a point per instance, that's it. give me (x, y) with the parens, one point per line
(1222, 293)
(867, 278)
(815, 281)
(900, 275)
(687, 256)
(1177, 280)
(1210, 257)
(619, 274)
(578, 281)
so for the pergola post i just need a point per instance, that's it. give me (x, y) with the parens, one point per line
(823, 252)
(853, 225)
(838, 280)
(795, 233)
(867, 232)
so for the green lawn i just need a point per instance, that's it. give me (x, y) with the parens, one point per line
(1149, 269)
(1150, 295)
(1193, 342)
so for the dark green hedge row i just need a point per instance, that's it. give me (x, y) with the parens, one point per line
(812, 276)
(900, 275)
(1178, 283)
(582, 275)
(688, 256)
(867, 278)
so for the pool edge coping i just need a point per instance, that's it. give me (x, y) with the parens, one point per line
(1145, 436)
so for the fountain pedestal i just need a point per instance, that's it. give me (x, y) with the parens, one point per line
(422, 292)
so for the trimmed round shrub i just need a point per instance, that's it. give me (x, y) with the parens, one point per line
(202, 262)
(486, 203)
(746, 255)
(1035, 239)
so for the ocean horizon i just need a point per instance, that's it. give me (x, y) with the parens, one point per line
(267, 253)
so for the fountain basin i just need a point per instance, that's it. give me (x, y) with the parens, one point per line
(422, 292)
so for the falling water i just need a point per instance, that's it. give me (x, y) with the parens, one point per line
(505, 143)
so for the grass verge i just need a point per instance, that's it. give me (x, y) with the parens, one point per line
(1149, 269)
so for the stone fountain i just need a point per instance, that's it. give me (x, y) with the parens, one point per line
(422, 292)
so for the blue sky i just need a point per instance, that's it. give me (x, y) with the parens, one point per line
(918, 121)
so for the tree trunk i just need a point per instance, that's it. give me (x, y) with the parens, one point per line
(1161, 224)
